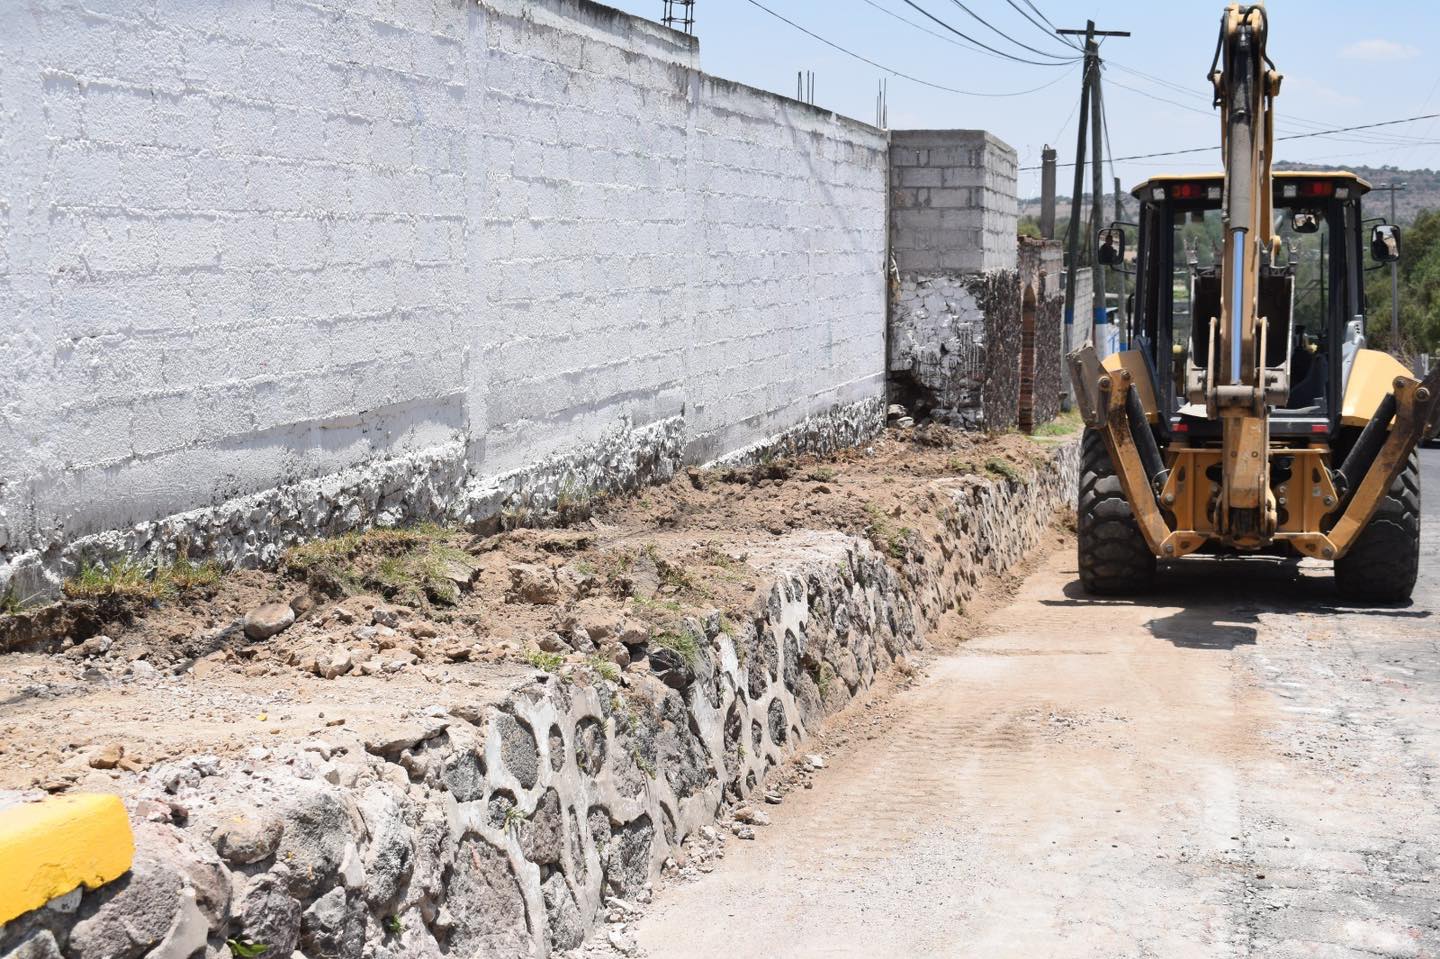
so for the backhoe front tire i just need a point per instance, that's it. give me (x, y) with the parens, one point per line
(1383, 562)
(1114, 558)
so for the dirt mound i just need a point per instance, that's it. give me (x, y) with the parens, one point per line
(368, 627)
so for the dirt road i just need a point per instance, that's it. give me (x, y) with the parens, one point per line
(1233, 767)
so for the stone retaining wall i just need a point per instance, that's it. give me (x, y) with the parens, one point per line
(504, 828)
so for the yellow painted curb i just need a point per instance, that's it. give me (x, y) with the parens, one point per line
(50, 847)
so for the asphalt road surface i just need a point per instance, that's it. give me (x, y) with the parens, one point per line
(1236, 766)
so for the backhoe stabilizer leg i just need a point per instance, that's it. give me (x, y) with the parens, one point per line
(1416, 408)
(1110, 393)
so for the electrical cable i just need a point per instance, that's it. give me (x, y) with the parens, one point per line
(1293, 136)
(1073, 110)
(1286, 119)
(1049, 31)
(1008, 56)
(1048, 22)
(893, 72)
(997, 31)
(939, 36)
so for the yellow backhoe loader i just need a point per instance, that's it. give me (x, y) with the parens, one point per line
(1246, 415)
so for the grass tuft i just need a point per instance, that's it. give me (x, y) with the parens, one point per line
(682, 644)
(605, 668)
(1062, 425)
(549, 662)
(410, 565)
(1004, 468)
(127, 581)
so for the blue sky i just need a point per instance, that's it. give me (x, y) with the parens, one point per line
(1343, 65)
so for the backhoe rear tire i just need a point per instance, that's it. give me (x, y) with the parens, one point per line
(1383, 562)
(1114, 558)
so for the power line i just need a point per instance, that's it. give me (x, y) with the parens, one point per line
(1293, 136)
(1066, 125)
(939, 36)
(1306, 127)
(893, 72)
(1048, 31)
(1287, 119)
(1042, 16)
(1007, 56)
(996, 30)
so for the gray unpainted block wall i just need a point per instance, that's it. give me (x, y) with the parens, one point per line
(275, 268)
(954, 201)
(953, 222)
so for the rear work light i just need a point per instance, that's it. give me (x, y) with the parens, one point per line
(1194, 191)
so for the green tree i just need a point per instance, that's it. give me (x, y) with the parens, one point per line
(1419, 291)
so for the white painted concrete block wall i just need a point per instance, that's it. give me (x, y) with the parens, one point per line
(789, 232)
(235, 255)
(251, 244)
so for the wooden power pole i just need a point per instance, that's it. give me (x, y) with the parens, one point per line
(1090, 107)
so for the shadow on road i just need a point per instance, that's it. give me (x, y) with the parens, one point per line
(1220, 600)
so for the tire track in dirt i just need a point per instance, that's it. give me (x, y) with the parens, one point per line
(1235, 766)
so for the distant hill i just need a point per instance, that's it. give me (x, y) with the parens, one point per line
(1422, 192)
(1422, 188)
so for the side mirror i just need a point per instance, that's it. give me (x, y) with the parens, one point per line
(1385, 243)
(1304, 222)
(1110, 246)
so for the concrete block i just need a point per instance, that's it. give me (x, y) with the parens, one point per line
(58, 845)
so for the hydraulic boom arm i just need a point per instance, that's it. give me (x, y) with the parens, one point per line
(1237, 392)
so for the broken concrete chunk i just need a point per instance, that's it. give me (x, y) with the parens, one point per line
(389, 743)
(616, 653)
(270, 915)
(262, 622)
(752, 816)
(137, 917)
(188, 932)
(338, 663)
(107, 756)
(600, 619)
(245, 836)
(460, 570)
(633, 633)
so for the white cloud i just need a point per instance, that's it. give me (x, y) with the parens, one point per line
(1378, 50)
(1310, 89)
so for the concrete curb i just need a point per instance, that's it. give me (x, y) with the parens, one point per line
(51, 848)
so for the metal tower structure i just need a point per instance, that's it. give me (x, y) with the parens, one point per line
(679, 15)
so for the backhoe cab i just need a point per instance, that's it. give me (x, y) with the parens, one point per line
(1246, 414)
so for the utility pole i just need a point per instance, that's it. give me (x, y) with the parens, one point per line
(1089, 90)
(1047, 192)
(1121, 311)
(1072, 232)
(1394, 277)
(1101, 334)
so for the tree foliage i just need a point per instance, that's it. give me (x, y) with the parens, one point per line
(1419, 291)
